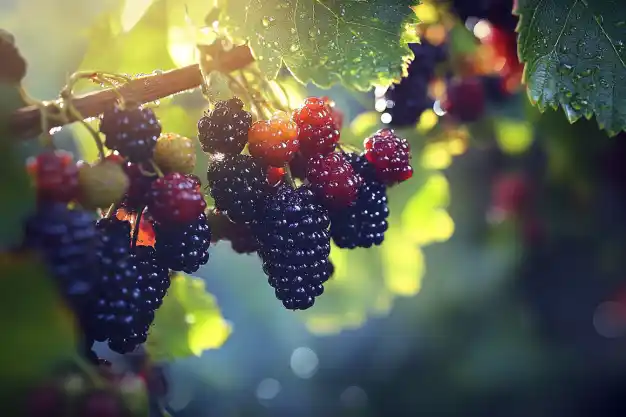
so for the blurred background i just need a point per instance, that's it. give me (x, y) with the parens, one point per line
(499, 289)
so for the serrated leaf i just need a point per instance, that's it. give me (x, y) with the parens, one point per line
(188, 323)
(575, 57)
(360, 43)
(31, 310)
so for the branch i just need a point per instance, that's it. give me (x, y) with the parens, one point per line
(26, 122)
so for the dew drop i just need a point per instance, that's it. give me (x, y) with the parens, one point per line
(294, 47)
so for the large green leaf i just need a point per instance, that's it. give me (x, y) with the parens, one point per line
(37, 328)
(188, 323)
(359, 43)
(143, 49)
(575, 57)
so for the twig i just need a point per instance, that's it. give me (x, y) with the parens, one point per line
(25, 123)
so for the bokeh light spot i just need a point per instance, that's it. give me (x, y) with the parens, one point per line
(268, 389)
(304, 362)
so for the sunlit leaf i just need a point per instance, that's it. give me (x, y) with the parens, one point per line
(354, 292)
(574, 54)
(461, 40)
(360, 44)
(142, 49)
(188, 323)
(403, 263)
(44, 317)
(427, 121)
(85, 141)
(424, 218)
(216, 87)
(133, 12)
(366, 123)
(436, 156)
(513, 136)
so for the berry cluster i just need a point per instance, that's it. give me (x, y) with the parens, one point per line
(296, 189)
(410, 97)
(72, 394)
(115, 270)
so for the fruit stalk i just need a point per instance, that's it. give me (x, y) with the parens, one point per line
(25, 123)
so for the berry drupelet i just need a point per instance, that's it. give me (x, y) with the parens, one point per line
(363, 224)
(131, 130)
(238, 184)
(112, 313)
(407, 100)
(154, 277)
(225, 128)
(175, 198)
(55, 175)
(184, 247)
(318, 133)
(465, 99)
(67, 240)
(390, 155)
(138, 193)
(151, 286)
(274, 141)
(333, 179)
(294, 246)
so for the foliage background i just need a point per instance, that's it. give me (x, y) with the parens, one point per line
(452, 316)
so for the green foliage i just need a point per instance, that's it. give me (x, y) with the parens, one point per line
(575, 57)
(357, 43)
(14, 181)
(188, 323)
(37, 329)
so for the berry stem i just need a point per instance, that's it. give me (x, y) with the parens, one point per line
(156, 168)
(288, 177)
(25, 122)
(112, 209)
(136, 228)
(89, 371)
(75, 114)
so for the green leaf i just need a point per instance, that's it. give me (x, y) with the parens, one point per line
(14, 181)
(575, 57)
(38, 330)
(424, 219)
(143, 49)
(359, 43)
(513, 136)
(188, 323)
